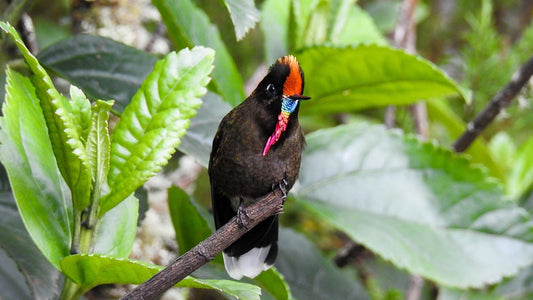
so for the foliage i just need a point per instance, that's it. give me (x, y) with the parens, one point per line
(455, 220)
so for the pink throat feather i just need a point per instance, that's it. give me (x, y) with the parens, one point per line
(283, 120)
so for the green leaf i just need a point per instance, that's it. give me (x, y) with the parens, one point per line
(90, 270)
(340, 12)
(40, 275)
(81, 112)
(13, 284)
(199, 137)
(68, 148)
(348, 79)
(310, 275)
(274, 283)
(502, 148)
(454, 294)
(421, 207)
(358, 28)
(299, 19)
(521, 177)
(103, 68)
(42, 196)
(190, 226)
(243, 14)
(118, 228)
(274, 25)
(441, 115)
(159, 114)
(189, 26)
(98, 143)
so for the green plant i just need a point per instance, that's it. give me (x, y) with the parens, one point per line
(420, 207)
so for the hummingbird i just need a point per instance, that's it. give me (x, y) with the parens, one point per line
(257, 148)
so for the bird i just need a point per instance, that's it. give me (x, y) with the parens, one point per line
(257, 147)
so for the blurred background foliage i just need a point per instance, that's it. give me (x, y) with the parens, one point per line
(477, 43)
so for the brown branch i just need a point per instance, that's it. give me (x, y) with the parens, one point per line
(416, 283)
(501, 100)
(206, 250)
(404, 37)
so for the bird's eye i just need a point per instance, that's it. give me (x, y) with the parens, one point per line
(271, 89)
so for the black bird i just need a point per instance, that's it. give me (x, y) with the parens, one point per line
(257, 148)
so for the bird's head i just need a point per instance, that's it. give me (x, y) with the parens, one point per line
(282, 88)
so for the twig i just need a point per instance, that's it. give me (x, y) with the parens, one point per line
(415, 288)
(403, 37)
(207, 250)
(501, 100)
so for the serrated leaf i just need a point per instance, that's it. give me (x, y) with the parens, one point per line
(41, 277)
(310, 275)
(159, 114)
(243, 14)
(349, 79)
(118, 228)
(189, 26)
(190, 226)
(41, 194)
(98, 143)
(421, 207)
(199, 137)
(68, 148)
(103, 68)
(90, 270)
(81, 112)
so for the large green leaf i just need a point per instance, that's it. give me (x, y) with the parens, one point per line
(348, 79)
(39, 275)
(90, 270)
(419, 206)
(190, 226)
(274, 25)
(68, 148)
(12, 285)
(159, 114)
(312, 276)
(103, 68)
(189, 26)
(118, 228)
(243, 14)
(199, 137)
(521, 177)
(41, 194)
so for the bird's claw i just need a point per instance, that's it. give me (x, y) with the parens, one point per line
(242, 216)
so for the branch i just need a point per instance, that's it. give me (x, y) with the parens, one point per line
(206, 250)
(403, 37)
(501, 100)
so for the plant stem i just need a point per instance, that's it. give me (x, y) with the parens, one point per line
(70, 290)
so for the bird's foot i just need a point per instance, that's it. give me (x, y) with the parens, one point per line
(283, 188)
(242, 216)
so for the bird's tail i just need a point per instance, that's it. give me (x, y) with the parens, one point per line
(254, 252)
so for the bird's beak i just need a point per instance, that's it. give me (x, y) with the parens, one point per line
(298, 97)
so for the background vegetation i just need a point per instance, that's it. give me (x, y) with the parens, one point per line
(376, 214)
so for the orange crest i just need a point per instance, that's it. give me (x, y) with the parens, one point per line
(293, 83)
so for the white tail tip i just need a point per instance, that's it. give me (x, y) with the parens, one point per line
(250, 264)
